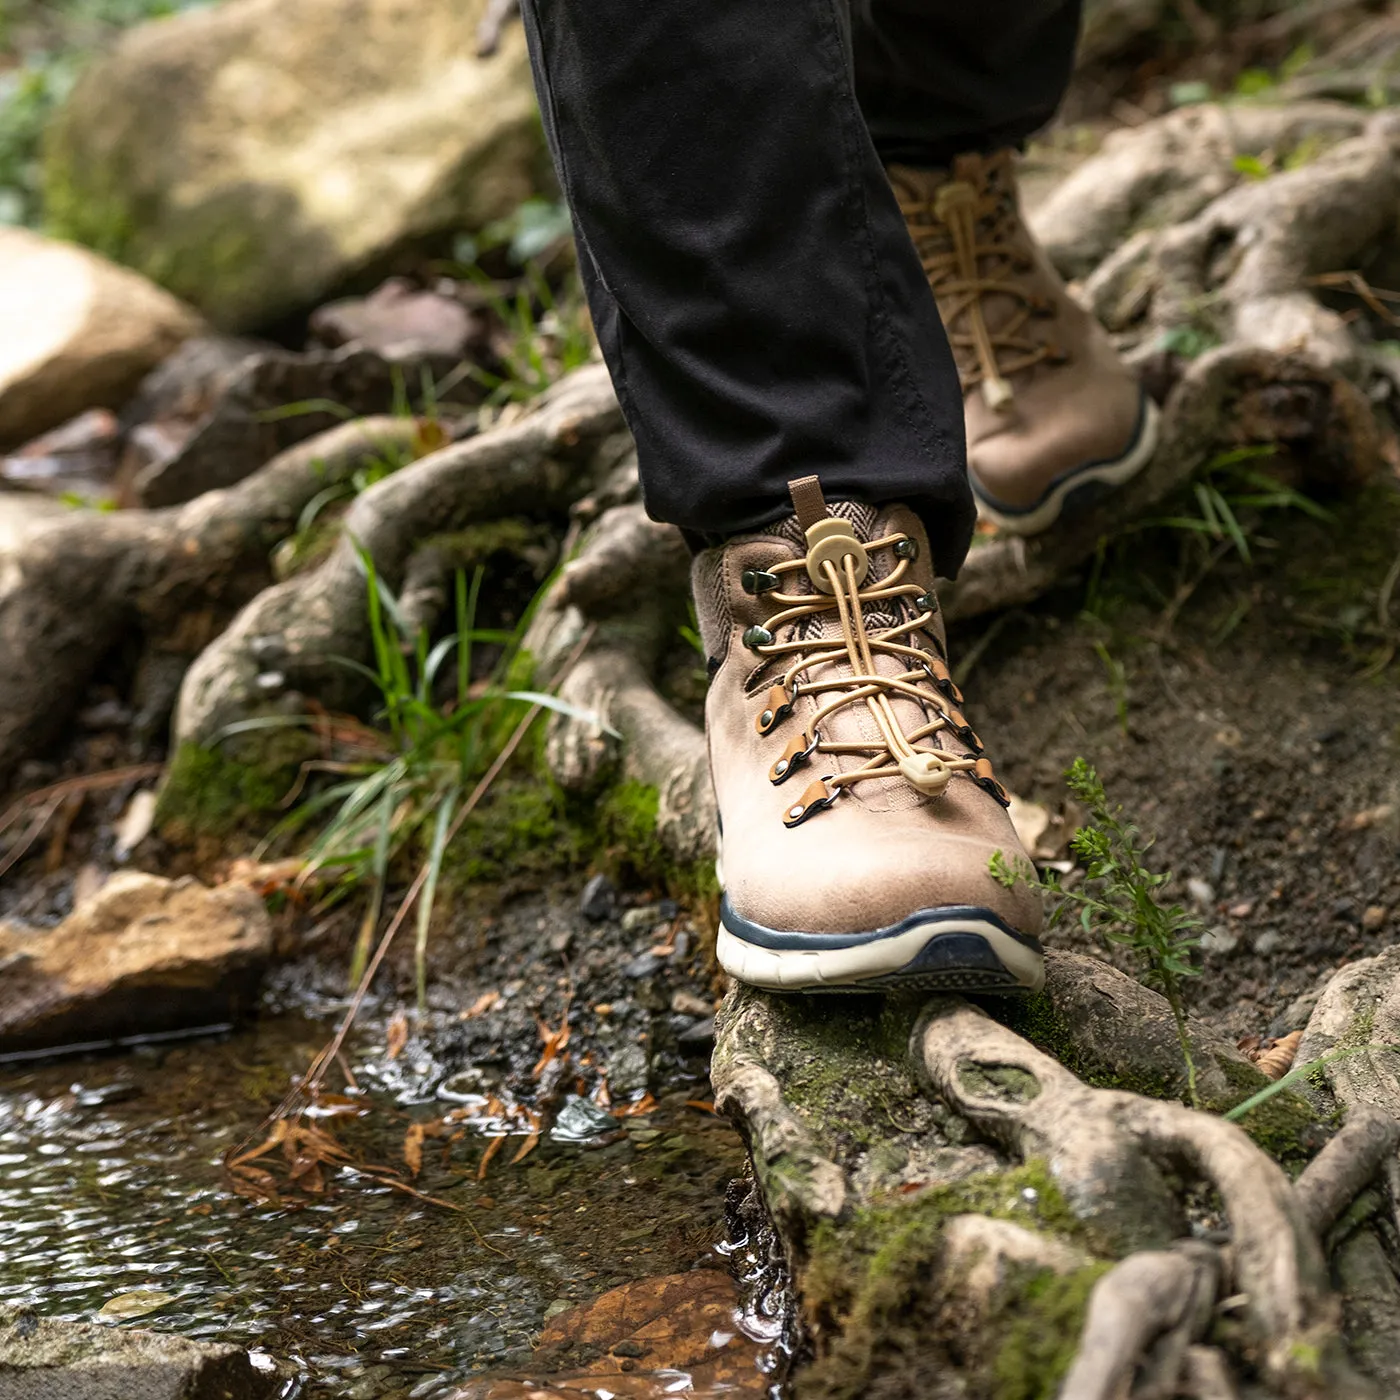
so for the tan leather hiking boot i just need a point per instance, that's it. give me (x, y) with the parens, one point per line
(1052, 412)
(857, 814)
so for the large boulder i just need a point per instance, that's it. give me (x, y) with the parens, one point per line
(144, 955)
(252, 157)
(79, 332)
(44, 1359)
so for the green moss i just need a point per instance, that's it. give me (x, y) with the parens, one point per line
(208, 792)
(624, 823)
(870, 1284)
(1044, 1319)
(519, 832)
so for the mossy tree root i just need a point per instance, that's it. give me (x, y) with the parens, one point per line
(81, 588)
(286, 642)
(886, 1136)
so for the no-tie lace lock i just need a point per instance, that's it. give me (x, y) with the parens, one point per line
(833, 541)
(926, 772)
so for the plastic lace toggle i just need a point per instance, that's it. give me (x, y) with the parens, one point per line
(776, 708)
(832, 541)
(794, 756)
(926, 772)
(817, 797)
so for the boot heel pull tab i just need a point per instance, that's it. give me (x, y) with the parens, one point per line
(808, 501)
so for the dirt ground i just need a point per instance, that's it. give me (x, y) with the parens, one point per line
(1246, 735)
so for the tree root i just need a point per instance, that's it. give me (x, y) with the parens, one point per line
(80, 587)
(1122, 1181)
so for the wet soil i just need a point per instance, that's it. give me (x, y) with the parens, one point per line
(1253, 730)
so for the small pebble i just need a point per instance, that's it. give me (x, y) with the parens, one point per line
(1201, 892)
(598, 899)
(700, 1034)
(1267, 942)
(1219, 940)
(1373, 918)
(643, 965)
(1242, 910)
(688, 1004)
(642, 919)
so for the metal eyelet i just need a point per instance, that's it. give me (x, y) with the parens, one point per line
(756, 636)
(756, 581)
(927, 602)
(985, 778)
(906, 548)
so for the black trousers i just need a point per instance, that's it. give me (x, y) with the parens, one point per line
(756, 296)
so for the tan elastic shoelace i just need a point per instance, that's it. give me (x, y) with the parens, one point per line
(838, 564)
(962, 228)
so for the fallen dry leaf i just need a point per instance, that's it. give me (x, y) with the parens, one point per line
(1278, 1059)
(397, 1035)
(495, 1147)
(480, 1006)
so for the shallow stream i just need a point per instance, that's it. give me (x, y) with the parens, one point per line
(111, 1183)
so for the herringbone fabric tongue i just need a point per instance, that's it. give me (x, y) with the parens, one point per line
(863, 520)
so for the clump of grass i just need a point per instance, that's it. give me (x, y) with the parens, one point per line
(1118, 899)
(543, 336)
(413, 767)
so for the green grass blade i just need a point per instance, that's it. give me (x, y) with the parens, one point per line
(441, 826)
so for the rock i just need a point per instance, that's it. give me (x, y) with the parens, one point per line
(580, 1121)
(254, 156)
(641, 920)
(246, 423)
(627, 1069)
(643, 965)
(78, 457)
(396, 320)
(688, 1004)
(1373, 918)
(1267, 942)
(79, 332)
(1219, 940)
(42, 1359)
(21, 513)
(144, 955)
(598, 899)
(1201, 892)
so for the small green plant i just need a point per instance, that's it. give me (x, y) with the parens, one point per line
(412, 769)
(1117, 683)
(543, 337)
(1117, 900)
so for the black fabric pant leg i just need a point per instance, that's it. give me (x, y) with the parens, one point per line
(756, 295)
(937, 78)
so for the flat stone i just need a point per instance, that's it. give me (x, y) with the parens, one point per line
(142, 956)
(42, 1359)
(80, 332)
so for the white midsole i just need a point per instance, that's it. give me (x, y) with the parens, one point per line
(1110, 473)
(789, 969)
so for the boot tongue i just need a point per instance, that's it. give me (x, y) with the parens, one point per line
(854, 724)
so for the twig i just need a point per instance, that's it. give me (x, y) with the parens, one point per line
(1331, 1181)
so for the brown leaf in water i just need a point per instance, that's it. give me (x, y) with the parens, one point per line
(531, 1142)
(495, 1147)
(414, 1139)
(397, 1036)
(1278, 1059)
(276, 1136)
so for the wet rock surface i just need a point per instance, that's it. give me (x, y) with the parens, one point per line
(145, 955)
(41, 1359)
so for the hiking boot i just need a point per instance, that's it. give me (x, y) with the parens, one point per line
(857, 811)
(1052, 412)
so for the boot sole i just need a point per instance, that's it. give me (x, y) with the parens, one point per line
(1079, 487)
(960, 948)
